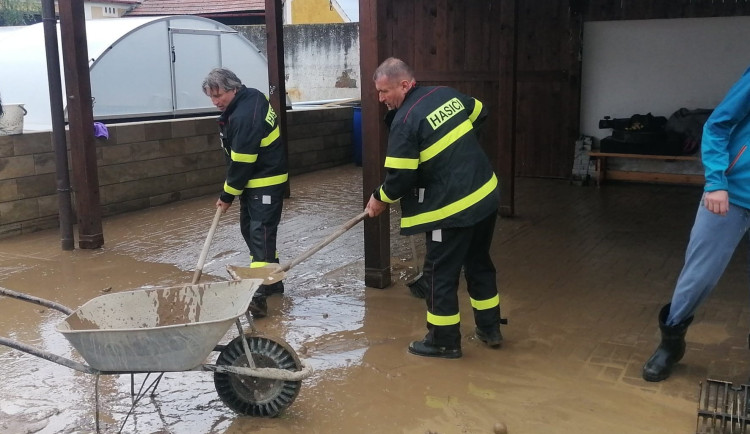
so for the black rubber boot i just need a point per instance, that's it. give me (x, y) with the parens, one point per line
(425, 349)
(670, 350)
(258, 307)
(493, 338)
(274, 288)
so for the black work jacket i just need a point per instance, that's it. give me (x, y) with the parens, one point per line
(255, 154)
(435, 165)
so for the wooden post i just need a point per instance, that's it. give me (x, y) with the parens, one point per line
(276, 76)
(374, 143)
(81, 123)
(506, 154)
(57, 111)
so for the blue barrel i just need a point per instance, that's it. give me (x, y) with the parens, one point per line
(357, 135)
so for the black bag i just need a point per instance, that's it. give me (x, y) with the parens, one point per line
(637, 122)
(638, 134)
(685, 129)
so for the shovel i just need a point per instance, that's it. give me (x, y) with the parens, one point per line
(415, 262)
(273, 273)
(206, 245)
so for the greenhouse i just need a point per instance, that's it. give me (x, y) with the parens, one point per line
(140, 68)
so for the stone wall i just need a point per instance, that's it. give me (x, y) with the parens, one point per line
(321, 61)
(153, 163)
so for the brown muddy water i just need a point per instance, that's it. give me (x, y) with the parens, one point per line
(570, 363)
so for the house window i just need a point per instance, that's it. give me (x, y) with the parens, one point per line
(110, 11)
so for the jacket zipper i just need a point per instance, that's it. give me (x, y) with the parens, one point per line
(736, 158)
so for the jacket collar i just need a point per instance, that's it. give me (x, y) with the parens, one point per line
(388, 119)
(241, 94)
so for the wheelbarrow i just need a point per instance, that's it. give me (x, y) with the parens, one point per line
(175, 329)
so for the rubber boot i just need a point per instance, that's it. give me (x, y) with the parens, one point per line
(670, 350)
(258, 307)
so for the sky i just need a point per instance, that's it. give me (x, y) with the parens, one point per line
(351, 7)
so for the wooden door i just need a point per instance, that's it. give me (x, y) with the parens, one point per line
(547, 89)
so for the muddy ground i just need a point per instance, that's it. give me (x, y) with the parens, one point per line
(582, 276)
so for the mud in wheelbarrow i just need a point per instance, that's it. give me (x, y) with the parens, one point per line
(175, 329)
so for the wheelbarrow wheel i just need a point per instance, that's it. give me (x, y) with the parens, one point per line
(253, 396)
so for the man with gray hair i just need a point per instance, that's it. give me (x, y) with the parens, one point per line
(256, 169)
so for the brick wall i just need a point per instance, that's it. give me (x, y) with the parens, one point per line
(153, 163)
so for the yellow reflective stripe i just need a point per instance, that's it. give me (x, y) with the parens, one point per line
(231, 190)
(477, 109)
(445, 112)
(270, 115)
(273, 135)
(443, 320)
(486, 304)
(384, 197)
(243, 158)
(401, 163)
(451, 208)
(446, 141)
(269, 180)
(257, 264)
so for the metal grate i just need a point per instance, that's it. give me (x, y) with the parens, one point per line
(722, 408)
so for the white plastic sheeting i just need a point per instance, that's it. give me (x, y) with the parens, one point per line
(139, 67)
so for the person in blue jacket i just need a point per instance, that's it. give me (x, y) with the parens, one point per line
(722, 220)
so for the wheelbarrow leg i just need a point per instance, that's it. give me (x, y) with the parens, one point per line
(96, 402)
(141, 393)
(250, 361)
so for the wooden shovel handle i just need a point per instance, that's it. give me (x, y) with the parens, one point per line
(206, 245)
(340, 231)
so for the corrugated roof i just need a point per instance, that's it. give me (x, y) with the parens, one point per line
(196, 7)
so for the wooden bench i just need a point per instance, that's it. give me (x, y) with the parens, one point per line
(600, 161)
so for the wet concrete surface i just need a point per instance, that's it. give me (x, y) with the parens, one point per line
(582, 274)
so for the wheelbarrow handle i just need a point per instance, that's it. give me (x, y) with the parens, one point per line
(340, 231)
(35, 300)
(34, 351)
(206, 245)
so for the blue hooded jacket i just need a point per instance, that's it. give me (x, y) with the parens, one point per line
(724, 147)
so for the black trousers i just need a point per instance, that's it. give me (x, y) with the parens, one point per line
(260, 214)
(446, 255)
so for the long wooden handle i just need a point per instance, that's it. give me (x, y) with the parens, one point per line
(206, 245)
(345, 227)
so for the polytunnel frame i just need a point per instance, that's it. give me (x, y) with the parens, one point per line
(186, 98)
(129, 62)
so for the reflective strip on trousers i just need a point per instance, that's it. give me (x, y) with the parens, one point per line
(486, 304)
(443, 320)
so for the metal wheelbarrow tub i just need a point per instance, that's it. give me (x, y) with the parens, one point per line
(157, 329)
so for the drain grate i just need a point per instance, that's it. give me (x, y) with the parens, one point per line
(723, 408)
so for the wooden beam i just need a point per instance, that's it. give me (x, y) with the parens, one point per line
(448, 76)
(80, 122)
(276, 76)
(665, 178)
(505, 162)
(372, 21)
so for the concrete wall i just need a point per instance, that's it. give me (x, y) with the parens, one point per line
(153, 163)
(321, 60)
(658, 66)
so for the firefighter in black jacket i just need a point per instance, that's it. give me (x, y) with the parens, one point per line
(448, 190)
(256, 169)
